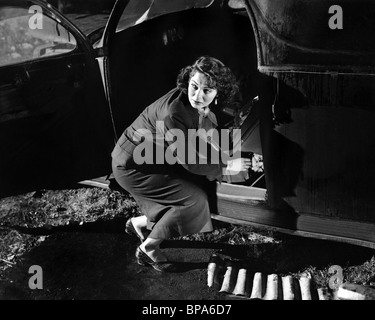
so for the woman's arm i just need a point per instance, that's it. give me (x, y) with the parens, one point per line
(185, 144)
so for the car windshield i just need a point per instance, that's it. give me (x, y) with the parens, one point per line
(138, 11)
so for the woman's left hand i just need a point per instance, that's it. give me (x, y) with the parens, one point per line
(237, 165)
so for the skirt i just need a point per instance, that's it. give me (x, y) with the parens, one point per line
(175, 201)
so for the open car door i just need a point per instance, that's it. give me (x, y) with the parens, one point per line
(55, 125)
(117, 44)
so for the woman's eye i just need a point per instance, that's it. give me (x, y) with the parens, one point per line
(207, 91)
(194, 86)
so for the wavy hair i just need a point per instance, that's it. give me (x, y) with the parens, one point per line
(218, 76)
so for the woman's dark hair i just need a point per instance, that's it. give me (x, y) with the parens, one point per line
(218, 76)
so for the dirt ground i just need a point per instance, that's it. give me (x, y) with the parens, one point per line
(76, 236)
(97, 262)
(96, 266)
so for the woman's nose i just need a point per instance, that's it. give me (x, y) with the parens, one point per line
(199, 94)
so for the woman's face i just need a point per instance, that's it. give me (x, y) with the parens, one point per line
(200, 95)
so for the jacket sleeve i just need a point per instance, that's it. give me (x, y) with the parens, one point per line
(189, 150)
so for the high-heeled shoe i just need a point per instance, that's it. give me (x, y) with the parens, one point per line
(143, 259)
(130, 230)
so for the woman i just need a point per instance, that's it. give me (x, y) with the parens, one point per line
(173, 196)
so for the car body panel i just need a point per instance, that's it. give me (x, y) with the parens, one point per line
(334, 71)
(296, 34)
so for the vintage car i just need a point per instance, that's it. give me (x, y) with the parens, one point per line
(306, 72)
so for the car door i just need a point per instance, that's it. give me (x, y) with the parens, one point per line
(55, 125)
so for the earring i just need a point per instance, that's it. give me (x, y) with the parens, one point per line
(215, 101)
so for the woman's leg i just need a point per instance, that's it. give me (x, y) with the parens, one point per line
(174, 206)
(140, 225)
(152, 248)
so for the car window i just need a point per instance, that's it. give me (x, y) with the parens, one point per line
(26, 36)
(138, 11)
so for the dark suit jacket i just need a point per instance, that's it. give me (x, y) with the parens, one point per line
(172, 113)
